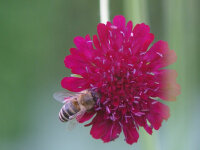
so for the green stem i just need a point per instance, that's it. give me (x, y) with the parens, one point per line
(104, 11)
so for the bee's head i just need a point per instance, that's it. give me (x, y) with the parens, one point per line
(95, 95)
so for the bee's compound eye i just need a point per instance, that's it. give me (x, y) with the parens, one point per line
(95, 95)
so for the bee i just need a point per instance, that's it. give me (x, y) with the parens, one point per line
(75, 104)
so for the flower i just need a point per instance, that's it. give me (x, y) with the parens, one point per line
(129, 77)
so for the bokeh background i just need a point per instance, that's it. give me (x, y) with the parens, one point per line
(35, 36)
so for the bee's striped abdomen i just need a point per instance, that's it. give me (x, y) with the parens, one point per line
(67, 111)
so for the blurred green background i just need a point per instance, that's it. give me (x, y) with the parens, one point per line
(35, 36)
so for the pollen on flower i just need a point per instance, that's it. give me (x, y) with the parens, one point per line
(119, 65)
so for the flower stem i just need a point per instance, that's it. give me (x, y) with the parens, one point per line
(104, 11)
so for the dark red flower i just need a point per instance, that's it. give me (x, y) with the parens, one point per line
(129, 77)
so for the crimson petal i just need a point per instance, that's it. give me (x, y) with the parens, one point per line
(169, 89)
(74, 84)
(158, 113)
(87, 116)
(130, 133)
(119, 21)
(113, 131)
(160, 55)
(99, 127)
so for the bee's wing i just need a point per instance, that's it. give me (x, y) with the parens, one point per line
(72, 124)
(74, 119)
(63, 96)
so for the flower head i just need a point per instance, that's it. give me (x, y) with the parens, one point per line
(129, 76)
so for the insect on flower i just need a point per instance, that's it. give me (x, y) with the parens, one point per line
(75, 104)
(127, 78)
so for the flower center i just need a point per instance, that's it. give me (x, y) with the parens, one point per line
(120, 91)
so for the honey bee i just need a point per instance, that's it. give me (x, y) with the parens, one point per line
(75, 104)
